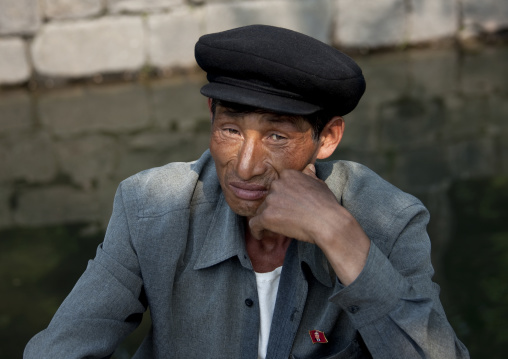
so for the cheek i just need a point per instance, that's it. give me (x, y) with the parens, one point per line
(218, 149)
(222, 153)
(294, 158)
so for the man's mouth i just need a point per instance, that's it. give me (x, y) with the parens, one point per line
(248, 191)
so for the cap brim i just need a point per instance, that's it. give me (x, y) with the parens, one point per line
(258, 99)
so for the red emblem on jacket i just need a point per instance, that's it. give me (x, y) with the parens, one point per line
(317, 336)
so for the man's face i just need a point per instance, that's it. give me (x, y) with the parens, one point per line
(250, 151)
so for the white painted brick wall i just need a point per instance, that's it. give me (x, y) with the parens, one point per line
(370, 23)
(117, 6)
(19, 16)
(162, 33)
(84, 48)
(432, 19)
(171, 37)
(68, 9)
(14, 67)
(311, 17)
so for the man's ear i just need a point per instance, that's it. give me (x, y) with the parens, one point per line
(330, 137)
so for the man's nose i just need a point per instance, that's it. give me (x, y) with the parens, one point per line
(250, 159)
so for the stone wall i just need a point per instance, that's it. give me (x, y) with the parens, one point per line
(82, 38)
(429, 118)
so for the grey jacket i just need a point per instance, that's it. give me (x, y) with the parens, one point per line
(175, 246)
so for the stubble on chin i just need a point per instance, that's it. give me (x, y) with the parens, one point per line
(244, 208)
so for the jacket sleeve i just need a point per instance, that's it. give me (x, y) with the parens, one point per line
(393, 303)
(104, 306)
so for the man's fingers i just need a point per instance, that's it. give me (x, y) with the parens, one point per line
(279, 207)
(310, 170)
(258, 231)
(255, 227)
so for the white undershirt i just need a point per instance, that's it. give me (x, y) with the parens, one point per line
(268, 284)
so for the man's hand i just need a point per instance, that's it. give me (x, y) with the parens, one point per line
(301, 206)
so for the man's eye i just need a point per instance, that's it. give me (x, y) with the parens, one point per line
(276, 137)
(231, 131)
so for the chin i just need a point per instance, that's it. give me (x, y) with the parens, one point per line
(243, 209)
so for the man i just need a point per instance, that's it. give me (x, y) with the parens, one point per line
(249, 250)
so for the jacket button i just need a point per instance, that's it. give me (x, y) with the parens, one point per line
(249, 302)
(353, 309)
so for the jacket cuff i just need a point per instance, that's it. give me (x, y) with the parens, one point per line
(374, 293)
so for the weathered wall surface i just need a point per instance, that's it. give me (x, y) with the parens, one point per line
(427, 120)
(81, 38)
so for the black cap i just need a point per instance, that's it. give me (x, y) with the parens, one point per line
(279, 70)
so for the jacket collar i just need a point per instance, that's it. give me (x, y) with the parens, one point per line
(225, 239)
(316, 260)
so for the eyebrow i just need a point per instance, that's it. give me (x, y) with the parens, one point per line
(294, 120)
(232, 113)
(271, 117)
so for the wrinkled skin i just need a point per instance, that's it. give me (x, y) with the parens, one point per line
(264, 163)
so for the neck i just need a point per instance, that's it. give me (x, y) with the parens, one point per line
(266, 253)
